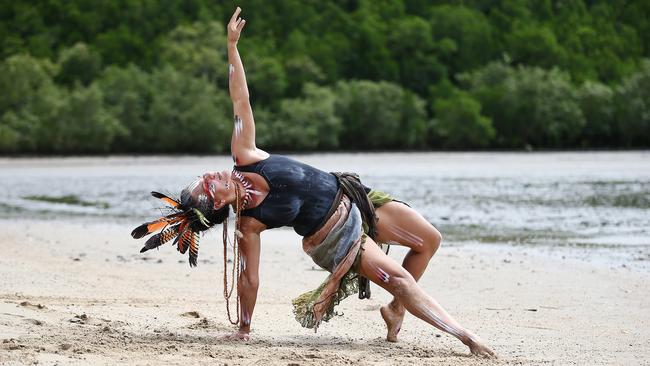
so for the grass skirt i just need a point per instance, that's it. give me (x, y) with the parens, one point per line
(336, 247)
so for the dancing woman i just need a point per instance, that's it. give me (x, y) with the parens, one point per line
(340, 220)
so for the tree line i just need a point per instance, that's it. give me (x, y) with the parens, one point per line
(135, 76)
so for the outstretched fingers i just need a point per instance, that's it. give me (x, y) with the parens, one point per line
(234, 16)
(481, 350)
(241, 25)
(235, 26)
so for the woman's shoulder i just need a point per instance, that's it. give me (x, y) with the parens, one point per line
(251, 158)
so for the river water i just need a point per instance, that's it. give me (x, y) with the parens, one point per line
(584, 199)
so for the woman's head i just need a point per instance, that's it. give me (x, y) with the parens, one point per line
(203, 204)
(211, 195)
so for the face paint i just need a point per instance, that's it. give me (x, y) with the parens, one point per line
(214, 187)
(210, 188)
(405, 235)
(239, 127)
(203, 199)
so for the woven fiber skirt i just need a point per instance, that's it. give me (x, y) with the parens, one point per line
(335, 248)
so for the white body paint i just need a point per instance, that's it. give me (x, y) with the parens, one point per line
(405, 235)
(245, 318)
(444, 326)
(242, 263)
(239, 126)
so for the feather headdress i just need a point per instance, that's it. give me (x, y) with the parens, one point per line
(183, 226)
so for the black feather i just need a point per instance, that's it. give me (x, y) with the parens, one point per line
(140, 231)
(149, 227)
(194, 249)
(160, 238)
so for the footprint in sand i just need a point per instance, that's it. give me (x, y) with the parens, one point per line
(28, 304)
(79, 319)
(191, 314)
(34, 321)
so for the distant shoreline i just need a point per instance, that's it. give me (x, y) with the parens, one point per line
(329, 152)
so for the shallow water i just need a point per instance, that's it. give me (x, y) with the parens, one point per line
(599, 199)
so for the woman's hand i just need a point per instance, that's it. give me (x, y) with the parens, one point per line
(478, 348)
(235, 26)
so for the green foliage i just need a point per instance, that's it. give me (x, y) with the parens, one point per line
(199, 50)
(167, 111)
(412, 47)
(528, 105)
(151, 76)
(532, 44)
(81, 124)
(596, 101)
(266, 78)
(30, 99)
(308, 122)
(78, 64)
(379, 115)
(127, 96)
(300, 71)
(633, 108)
(187, 114)
(465, 36)
(37, 116)
(459, 122)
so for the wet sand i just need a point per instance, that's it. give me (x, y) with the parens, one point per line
(80, 293)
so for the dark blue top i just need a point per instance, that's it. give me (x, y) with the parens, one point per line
(299, 196)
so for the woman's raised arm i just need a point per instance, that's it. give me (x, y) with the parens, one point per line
(242, 143)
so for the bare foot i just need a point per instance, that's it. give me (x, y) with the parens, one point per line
(239, 335)
(393, 319)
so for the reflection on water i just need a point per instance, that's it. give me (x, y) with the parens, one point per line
(590, 199)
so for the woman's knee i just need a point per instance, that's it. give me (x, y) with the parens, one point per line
(432, 241)
(400, 284)
(435, 240)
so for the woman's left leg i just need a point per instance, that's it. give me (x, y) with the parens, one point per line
(403, 225)
(382, 270)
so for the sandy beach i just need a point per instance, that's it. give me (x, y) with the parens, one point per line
(80, 293)
(548, 267)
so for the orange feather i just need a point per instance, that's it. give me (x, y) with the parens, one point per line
(181, 243)
(170, 201)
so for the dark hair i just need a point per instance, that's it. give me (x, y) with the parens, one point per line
(206, 207)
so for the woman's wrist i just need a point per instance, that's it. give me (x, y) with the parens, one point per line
(468, 338)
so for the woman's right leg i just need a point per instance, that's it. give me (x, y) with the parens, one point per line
(382, 270)
(398, 223)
